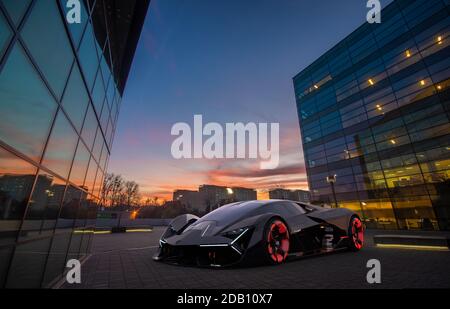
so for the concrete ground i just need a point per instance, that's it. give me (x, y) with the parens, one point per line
(125, 261)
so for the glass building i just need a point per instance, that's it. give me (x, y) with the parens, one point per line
(374, 111)
(60, 93)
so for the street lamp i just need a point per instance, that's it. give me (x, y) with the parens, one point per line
(332, 180)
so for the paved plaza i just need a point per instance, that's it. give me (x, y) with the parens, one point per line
(125, 261)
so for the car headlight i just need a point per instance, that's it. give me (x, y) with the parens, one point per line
(235, 233)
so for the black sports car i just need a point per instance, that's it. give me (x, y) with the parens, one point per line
(259, 231)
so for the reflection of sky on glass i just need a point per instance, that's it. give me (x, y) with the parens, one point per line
(26, 107)
(230, 61)
(61, 147)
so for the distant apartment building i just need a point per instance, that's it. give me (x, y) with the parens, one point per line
(293, 195)
(244, 194)
(189, 199)
(210, 197)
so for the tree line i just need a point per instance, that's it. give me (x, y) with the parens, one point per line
(118, 191)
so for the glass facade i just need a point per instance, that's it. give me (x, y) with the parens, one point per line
(60, 95)
(374, 111)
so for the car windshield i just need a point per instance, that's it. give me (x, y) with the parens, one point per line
(232, 212)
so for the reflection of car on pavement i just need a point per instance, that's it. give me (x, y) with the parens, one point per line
(259, 232)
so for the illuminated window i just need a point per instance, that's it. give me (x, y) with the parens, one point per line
(371, 82)
(408, 54)
(422, 82)
(393, 142)
(439, 87)
(316, 87)
(379, 107)
(439, 40)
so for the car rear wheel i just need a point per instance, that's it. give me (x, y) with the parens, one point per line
(356, 234)
(276, 241)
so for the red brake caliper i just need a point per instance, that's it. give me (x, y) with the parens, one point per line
(278, 242)
(357, 233)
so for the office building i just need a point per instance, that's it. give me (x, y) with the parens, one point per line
(374, 115)
(61, 85)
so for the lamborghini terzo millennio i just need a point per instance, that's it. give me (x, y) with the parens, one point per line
(259, 232)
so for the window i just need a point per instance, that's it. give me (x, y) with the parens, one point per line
(16, 9)
(89, 128)
(51, 48)
(98, 183)
(104, 158)
(61, 147)
(22, 273)
(105, 69)
(391, 28)
(421, 10)
(90, 177)
(80, 165)
(99, 141)
(98, 94)
(76, 30)
(339, 61)
(294, 208)
(61, 239)
(16, 182)
(75, 98)
(110, 133)
(88, 56)
(5, 34)
(111, 91)
(43, 208)
(105, 117)
(26, 106)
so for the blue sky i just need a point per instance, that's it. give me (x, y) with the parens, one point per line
(230, 61)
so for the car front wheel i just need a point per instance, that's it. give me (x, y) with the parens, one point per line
(276, 240)
(356, 234)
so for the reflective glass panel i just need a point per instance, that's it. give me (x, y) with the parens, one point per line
(80, 165)
(5, 34)
(16, 182)
(89, 128)
(76, 30)
(61, 147)
(26, 106)
(16, 8)
(88, 56)
(43, 209)
(75, 98)
(47, 40)
(28, 264)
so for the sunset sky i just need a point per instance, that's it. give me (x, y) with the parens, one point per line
(230, 61)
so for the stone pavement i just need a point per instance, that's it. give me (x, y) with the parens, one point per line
(125, 261)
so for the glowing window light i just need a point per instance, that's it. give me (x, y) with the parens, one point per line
(408, 54)
(371, 82)
(422, 82)
(316, 87)
(439, 40)
(393, 142)
(439, 87)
